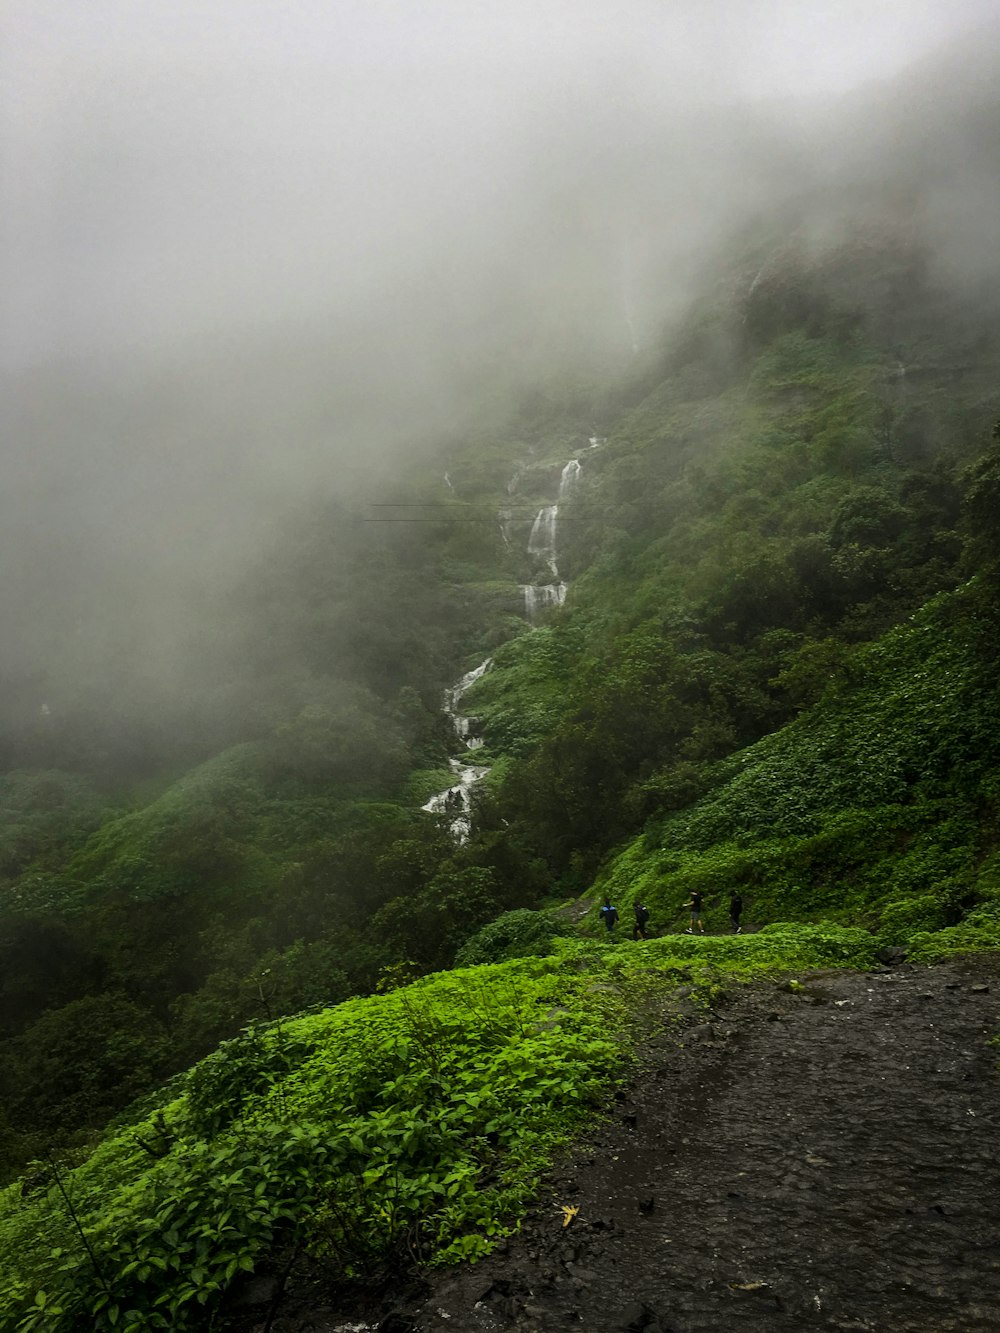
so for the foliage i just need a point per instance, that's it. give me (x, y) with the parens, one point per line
(734, 694)
(872, 806)
(519, 934)
(408, 1125)
(41, 813)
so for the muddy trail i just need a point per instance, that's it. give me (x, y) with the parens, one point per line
(817, 1158)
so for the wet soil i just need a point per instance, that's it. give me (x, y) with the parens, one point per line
(796, 1159)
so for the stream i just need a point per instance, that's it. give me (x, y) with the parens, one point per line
(456, 801)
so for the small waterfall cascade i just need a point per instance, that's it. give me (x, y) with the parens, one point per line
(569, 477)
(456, 800)
(539, 597)
(542, 542)
(455, 803)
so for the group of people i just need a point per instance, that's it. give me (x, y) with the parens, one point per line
(609, 915)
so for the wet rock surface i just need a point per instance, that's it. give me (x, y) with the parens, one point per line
(818, 1157)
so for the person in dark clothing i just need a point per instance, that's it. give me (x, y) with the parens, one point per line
(694, 905)
(641, 917)
(609, 915)
(736, 911)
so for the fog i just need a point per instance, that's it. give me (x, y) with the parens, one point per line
(255, 252)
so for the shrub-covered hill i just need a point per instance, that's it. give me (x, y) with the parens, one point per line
(781, 482)
(790, 481)
(410, 1126)
(878, 805)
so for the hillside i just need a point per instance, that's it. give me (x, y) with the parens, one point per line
(812, 1159)
(737, 622)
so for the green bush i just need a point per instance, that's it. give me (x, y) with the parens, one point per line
(413, 1124)
(519, 934)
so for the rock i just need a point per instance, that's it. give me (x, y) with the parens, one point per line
(980, 988)
(637, 1318)
(892, 955)
(584, 1275)
(397, 1323)
(702, 1032)
(254, 1293)
(498, 1290)
(647, 1205)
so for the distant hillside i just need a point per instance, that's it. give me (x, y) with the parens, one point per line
(694, 586)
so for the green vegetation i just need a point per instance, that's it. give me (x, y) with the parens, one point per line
(875, 806)
(411, 1125)
(775, 671)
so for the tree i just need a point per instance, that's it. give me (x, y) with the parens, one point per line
(78, 1065)
(981, 512)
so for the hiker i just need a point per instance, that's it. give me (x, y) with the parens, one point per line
(609, 915)
(641, 917)
(735, 911)
(695, 906)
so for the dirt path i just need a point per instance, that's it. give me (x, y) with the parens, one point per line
(827, 1159)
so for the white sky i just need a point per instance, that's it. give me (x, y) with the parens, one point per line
(171, 164)
(248, 246)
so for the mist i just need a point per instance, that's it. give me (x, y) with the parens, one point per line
(256, 253)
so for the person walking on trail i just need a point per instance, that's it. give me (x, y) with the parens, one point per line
(641, 917)
(609, 915)
(736, 911)
(694, 905)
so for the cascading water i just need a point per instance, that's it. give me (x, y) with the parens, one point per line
(538, 597)
(542, 542)
(456, 801)
(569, 477)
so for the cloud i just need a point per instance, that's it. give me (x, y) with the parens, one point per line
(252, 248)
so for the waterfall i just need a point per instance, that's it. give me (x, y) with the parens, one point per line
(542, 541)
(456, 800)
(570, 476)
(539, 597)
(453, 697)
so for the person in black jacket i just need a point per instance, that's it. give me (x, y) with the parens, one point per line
(694, 906)
(736, 911)
(641, 917)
